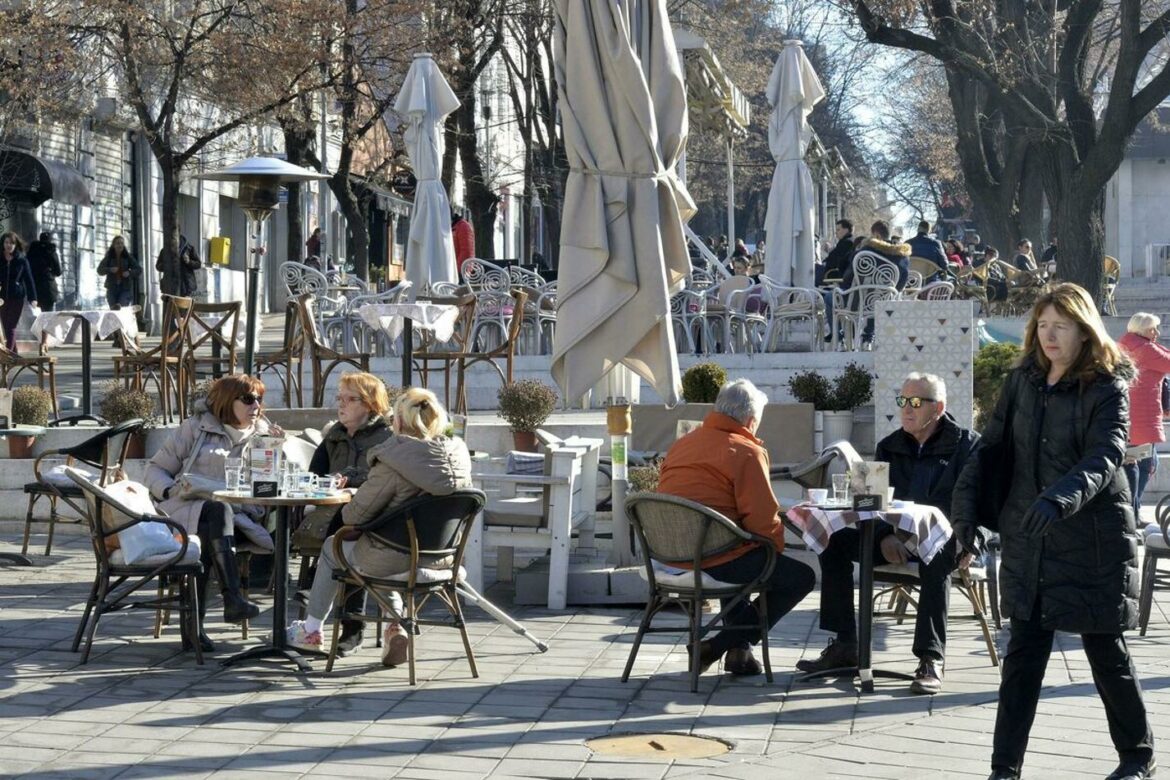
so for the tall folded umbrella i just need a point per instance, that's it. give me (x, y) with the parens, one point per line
(790, 223)
(623, 252)
(424, 102)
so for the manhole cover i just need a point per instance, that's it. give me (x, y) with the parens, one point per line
(665, 746)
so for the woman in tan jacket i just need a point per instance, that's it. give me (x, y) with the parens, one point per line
(418, 459)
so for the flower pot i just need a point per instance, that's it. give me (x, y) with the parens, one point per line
(20, 446)
(136, 446)
(836, 426)
(524, 441)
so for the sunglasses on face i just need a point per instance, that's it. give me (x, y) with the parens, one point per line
(915, 401)
(251, 398)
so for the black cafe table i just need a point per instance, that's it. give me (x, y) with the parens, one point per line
(923, 529)
(291, 509)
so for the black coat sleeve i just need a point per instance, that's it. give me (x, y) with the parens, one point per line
(1104, 445)
(965, 499)
(319, 465)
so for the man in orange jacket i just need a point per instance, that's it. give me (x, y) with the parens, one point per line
(722, 465)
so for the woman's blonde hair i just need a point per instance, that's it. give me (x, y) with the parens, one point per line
(369, 389)
(419, 414)
(1099, 353)
(1143, 321)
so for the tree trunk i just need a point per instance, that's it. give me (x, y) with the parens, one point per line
(357, 225)
(1080, 228)
(297, 144)
(170, 282)
(482, 202)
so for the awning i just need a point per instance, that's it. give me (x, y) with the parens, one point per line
(26, 178)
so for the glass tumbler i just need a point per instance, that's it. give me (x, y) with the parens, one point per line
(233, 473)
(840, 487)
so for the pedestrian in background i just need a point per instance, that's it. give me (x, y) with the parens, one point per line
(1050, 479)
(45, 264)
(1152, 361)
(182, 280)
(17, 285)
(121, 270)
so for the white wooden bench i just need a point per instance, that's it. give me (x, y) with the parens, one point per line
(538, 512)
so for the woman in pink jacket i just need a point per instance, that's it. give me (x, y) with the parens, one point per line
(1145, 400)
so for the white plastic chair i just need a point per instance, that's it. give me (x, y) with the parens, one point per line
(688, 313)
(480, 275)
(789, 306)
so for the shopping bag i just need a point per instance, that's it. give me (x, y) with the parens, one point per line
(144, 540)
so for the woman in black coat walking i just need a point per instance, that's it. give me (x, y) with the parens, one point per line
(16, 285)
(1054, 445)
(45, 264)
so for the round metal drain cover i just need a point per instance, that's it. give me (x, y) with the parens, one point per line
(658, 745)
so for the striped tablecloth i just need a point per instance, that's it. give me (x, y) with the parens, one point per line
(924, 529)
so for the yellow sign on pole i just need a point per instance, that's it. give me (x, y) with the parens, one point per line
(220, 252)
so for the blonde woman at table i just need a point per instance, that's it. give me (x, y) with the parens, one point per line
(122, 272)
(220, 427)
(363, 406)
(1055, 444)
(417, 460)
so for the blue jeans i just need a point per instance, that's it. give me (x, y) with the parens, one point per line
(1139, 475)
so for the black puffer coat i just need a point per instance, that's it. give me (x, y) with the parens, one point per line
(341, 453)
(1069, 441)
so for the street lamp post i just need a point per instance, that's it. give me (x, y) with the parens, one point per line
(260, 180)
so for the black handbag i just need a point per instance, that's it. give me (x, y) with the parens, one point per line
(997, 464)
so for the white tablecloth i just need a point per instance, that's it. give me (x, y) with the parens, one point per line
(438, 318)
(924, 529)
(62, 327)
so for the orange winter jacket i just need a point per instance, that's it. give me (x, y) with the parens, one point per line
(723, 466)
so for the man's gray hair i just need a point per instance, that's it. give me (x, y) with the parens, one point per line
(1143, 321)
(741, 400)
(937, 387)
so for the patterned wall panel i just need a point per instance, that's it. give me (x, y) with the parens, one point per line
(936, 337)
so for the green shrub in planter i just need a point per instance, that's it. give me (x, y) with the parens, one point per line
(120, 403)
(31, 406)
(701, 383)
(526, 404)
(989, 370)
(853, 388)
(811, 387)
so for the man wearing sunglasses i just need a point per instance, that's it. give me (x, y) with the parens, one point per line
(926, 455)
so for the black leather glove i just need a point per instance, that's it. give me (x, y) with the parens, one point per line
(1039, 516)
(968, 538)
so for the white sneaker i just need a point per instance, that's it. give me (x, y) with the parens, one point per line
(395, 645)
(296, 636)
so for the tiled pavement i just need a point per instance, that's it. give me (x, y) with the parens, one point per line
(141, 709)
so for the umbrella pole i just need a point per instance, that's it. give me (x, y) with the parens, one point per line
(619, 426)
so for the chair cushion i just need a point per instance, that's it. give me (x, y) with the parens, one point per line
(1155, 540)
(425, 576)
(41, 488)
(118, 558)
(531, 463)
(681, 578)
(57, 477)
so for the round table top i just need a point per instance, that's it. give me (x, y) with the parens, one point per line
(245, 497)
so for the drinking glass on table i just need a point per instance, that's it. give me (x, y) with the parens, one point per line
(233, 473)
(840, 487)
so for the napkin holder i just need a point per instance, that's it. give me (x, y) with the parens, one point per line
(870, 483)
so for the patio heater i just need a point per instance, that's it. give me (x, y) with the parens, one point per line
(260, 180)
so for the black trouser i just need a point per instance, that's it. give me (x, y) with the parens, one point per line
(790, 582)
(1113, 674)
(214, 522)
(10, 316)
(934, 590)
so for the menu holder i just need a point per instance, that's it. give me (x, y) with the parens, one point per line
(264, 461)
(870, 484)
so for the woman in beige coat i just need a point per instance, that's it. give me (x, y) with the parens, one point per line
(417, 460)
(220, 427)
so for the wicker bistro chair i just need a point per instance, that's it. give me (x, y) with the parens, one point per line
(105, 452)
(290, 358)
(323, 358)
(427, 526)
(504, 350)
(937, 291)
(212, 334)
(925, 268)
(433, 356)
(719, 310)
(116, 581)
(854, 308)
(674, 531)
(164, 364)
(1157, 544)
(903, 580)
(43, 365)
(789, 306)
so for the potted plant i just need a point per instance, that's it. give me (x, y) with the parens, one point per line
(525, 405)
(836, 400)
(701, 383)
(30, 406)
(120, 403)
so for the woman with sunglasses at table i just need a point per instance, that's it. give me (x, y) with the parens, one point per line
(220, 427)
(363, 406)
